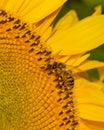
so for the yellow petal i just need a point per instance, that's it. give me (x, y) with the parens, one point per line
(90, 65)
(72, 59)
(43, 9)
(93, 125)
(90, 100)
(82, 125)
(3, 3)
(31, 11)
(84, 36)
(91, 112)
(42, 25)
(46, 34)
(77, 60)
(13, 6)
(28, 6)
(21, 6)
(67, 21)
(81, 59)
(98, 10)
(100, 85)
(88, 92)
(78, 65)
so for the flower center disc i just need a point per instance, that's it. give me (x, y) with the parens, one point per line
(36, 92)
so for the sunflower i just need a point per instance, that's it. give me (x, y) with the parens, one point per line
(40, 86)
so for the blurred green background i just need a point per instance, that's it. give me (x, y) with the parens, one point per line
(85, 8)
(82, 7)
